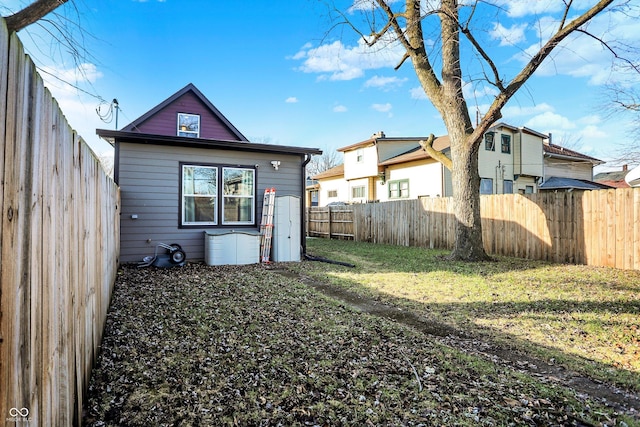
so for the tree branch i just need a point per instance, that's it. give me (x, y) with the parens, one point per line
(485, 56)
(610, 49)
(494, 112)
(435, 154)
(31, 14)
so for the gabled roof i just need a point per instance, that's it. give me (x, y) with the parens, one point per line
(334, 172)
(132, 127)
(552, 150)
(559, 183)
(441, 143)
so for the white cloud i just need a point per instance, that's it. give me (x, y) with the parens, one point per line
(366, 5)
(508, 36)
(550, 121)
(78, 107)
(291, 100)
(418, 93)
(383, 108)
(384, 83)
(336, 61)
(339, 109)
(582, 56)
(519, 111)
(521, 8)
(474, 91)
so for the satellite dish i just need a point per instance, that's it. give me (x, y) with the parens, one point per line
(633, 177)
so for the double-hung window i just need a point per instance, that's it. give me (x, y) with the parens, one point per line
(489, 141)
(217, 195)
(199, 195)
(358, 192)
(506, 144)
(399, 189)
(238, 201)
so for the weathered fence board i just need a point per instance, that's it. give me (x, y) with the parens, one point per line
(58, 250)
(600, 228)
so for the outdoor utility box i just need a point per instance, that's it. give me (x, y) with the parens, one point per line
(231, 247)
(286, 229)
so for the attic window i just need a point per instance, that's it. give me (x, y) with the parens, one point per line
(189, 125)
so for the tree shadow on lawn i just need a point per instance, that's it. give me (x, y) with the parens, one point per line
(478, 335)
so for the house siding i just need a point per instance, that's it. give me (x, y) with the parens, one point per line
(165, 122)
(339, 185)
(368, 167)
(496, 165)
(425, 179)
(567, 169)
(149, 178)
(530, 159)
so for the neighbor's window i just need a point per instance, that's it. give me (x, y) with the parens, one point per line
(506, 144)
(358, 192)
(332, 193)
(486, 186)
(360, 155)
(528, 189)
(489, 144)
(399, 189)
(238, 200)
(507, 187)
(199, 195)
(189, 125)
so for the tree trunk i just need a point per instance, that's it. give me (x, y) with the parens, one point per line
(468, 245)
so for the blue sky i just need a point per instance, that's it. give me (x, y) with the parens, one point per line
(278, 73)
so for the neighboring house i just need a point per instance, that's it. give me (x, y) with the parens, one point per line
(566, 170)
(183, 168)
(330, 186)
(614, 179)
(510, 160)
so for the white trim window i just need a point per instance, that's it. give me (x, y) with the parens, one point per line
(360, 155)
(217, 195)
(199, 195)
(189, 125)
(238, 202)
(358, 192)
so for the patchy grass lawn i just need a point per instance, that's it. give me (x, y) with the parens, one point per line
(247, 345)
(583, 317)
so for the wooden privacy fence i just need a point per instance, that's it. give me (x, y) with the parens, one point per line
(330, 222)
(599, 228)
(58, 251)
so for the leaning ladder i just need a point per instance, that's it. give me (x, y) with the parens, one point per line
(266, 227)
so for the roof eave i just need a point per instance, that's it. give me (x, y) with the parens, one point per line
(112, 136)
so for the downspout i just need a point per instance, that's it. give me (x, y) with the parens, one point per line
(303, 222)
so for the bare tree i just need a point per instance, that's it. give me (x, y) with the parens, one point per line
(328, 160)
(624, 100)
(414, 24)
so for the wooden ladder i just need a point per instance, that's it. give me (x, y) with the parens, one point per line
(266, 226)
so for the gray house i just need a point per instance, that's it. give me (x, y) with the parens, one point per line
(185, 172)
